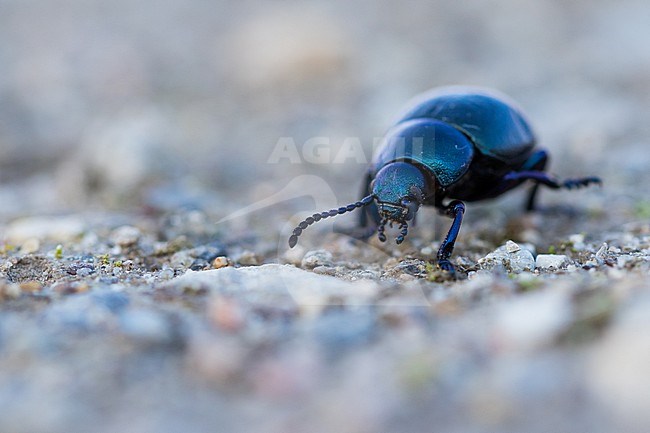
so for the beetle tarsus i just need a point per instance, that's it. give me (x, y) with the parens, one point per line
(447, 266)
(543, 178)
(404, 227)
(581, 182)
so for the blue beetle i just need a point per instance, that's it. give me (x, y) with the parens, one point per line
(458, 143)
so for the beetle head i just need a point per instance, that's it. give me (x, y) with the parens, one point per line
(399, 189)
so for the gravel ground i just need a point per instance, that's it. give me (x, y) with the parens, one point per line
(149, 181)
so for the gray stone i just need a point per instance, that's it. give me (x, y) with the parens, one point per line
(510, 257)
(181, 260)
(316, 258)
(602, 251)
(248, 258)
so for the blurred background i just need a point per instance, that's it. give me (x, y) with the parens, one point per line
(126, 109)
(161, 104)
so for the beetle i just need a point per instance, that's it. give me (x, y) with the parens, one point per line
(455, 143)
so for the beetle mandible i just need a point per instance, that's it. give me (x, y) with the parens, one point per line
(457, 143)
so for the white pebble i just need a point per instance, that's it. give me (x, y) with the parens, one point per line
(551, 261)
(512, 247)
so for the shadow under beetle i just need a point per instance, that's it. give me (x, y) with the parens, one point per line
(458, 143)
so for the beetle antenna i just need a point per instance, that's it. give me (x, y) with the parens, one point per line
(404, 229)
(293, 239)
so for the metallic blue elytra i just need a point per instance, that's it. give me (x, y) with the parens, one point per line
(496, 126)
(456, 143)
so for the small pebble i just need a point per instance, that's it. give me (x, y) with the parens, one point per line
(181, 259)
(551, 261)
(199, 265)
(294, 255)
(221, 262)
(324, 270)
(625, 259)
(602, 251)
(512, 247)
(83, 272)
(248, 258)
(166, 274)
(125, 236)
(317, 258)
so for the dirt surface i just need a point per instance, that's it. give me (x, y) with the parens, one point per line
(155, 157)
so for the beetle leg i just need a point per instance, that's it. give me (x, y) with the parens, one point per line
(455, 210)
(537, 161)
(532, 195)
(543, 178)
